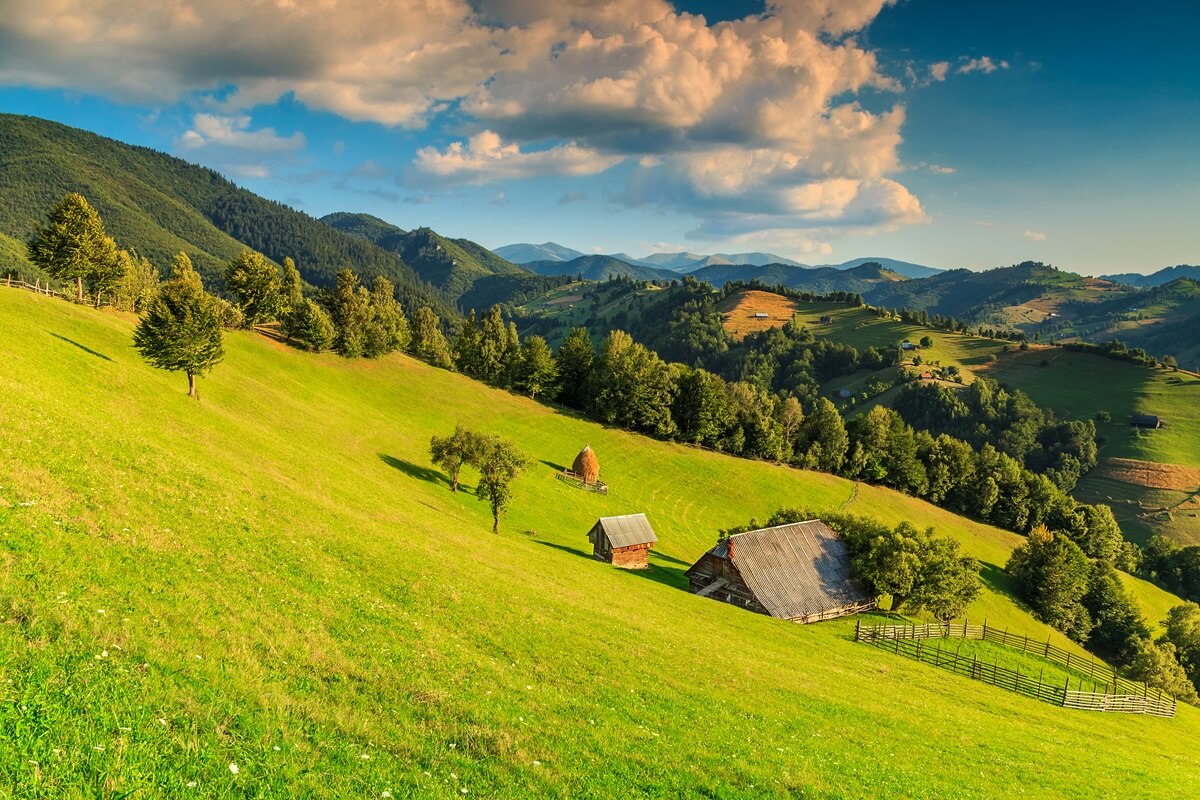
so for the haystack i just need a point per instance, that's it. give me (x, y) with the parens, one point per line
(587, 466)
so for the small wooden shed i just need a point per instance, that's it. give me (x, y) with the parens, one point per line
(1150, 421)
(798, 572)
(622, 541)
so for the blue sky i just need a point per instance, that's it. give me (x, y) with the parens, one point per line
(946, 133)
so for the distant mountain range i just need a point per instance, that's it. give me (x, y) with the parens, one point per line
(686, 262)
(1160, 278)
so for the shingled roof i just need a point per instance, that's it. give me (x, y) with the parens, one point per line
(626, 530)
(795, 571)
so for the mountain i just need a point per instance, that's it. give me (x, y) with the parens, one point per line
(677, 262)
(159, 205)
(905, 268)
(819, 280)
(601, 268)
(1163, 276)
(547, 251)
(690, 262)
(452, 265)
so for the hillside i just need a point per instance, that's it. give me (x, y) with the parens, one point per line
(547, 251)
(823, 280)
(275, 578)
(1159, 278)
(905, 268)
(159, 205)
(452, 265)
(600, 268)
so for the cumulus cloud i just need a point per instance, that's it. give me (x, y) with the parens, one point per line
(485, 158)
(234, 132)
(984, 64)
(1036, 236)
(750, 124)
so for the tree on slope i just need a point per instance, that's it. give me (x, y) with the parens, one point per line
(453, 451)
(499, 463)
(428, 342)
(72, 245)
(181, 331)
(947, 583)
(1052, 575)
(256, 283)
(536, 373)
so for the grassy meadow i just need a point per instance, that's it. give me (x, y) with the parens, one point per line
(270, 593)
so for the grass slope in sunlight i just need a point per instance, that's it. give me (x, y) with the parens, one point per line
(274, 580)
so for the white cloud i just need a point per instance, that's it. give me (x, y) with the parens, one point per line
(984, 64)
(1036, 236)
(745, 122)
(234, 132)
(485, 158)
(247, 170)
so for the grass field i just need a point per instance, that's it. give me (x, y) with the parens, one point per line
(275, 578)
(739, 310)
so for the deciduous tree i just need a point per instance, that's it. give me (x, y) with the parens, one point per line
(71, 245)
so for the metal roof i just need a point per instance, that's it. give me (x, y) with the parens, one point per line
(626, 530)
(794, 570)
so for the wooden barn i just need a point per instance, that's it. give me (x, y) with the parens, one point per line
(622, 541)
(798, 572)
(1149, 421)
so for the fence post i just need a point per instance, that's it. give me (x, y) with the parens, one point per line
(1066, 688)
(857, 630)
(1047, 654)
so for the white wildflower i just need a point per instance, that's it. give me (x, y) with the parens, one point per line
(233, 768)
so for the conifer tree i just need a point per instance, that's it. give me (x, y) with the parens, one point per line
(181, 330)
(575, 361)
(536, 372)
(256, 283)
(71, 245)
(428, 342)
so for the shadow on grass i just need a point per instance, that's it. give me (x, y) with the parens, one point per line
(553, 466)
(82, 347)
(668, 576)
(423, 473)
(657, 556)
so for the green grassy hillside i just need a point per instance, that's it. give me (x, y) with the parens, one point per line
(274, 578)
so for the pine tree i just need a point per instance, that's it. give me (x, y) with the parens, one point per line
(181, 331)
(575, 362)
(536, 373)
(428, 342)
(256, 283)
(71, 245)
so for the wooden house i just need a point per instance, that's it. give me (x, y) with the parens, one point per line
(761, 315)
(623, 541)
(1150, 421)
(798, 572)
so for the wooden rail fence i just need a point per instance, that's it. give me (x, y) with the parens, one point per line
(1109, 691)
(37, 286)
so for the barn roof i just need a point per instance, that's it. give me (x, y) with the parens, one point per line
(1146, 419)
(795, 570)
(626, 530)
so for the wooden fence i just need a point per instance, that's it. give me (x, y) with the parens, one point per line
(37, 286)
(599, 487)
(1109, 691)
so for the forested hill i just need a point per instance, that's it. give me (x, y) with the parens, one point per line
(452, 265)
(160, 205)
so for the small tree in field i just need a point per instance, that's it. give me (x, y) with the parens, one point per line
(72, 245)
(181, 331)
(947, 582)
(499, 462)
(451, 452)
(891, 562)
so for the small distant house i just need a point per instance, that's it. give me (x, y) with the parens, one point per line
(761, 315)
(906, 345)
(1149, 421)
(844, 393)
(622, 541)
(926, 376)
(798, 572)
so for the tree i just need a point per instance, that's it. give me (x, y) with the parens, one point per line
(1117, 624)
(108, 271)
(891, 562)
(453, 451)
(633, 387)
(256, 283)
(1052, 575)
(291, 298)
(71, 245)
(499, 463)
(1156, 665)
(701, 409)
(350, 310)
(138, 285)
(428, 341)
(537, 372)
(824, 436)
(387, 328)
(926, 341)
(1183, 631)
(575, 361)
(947, 583)
(181, 331)
(310, 326)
